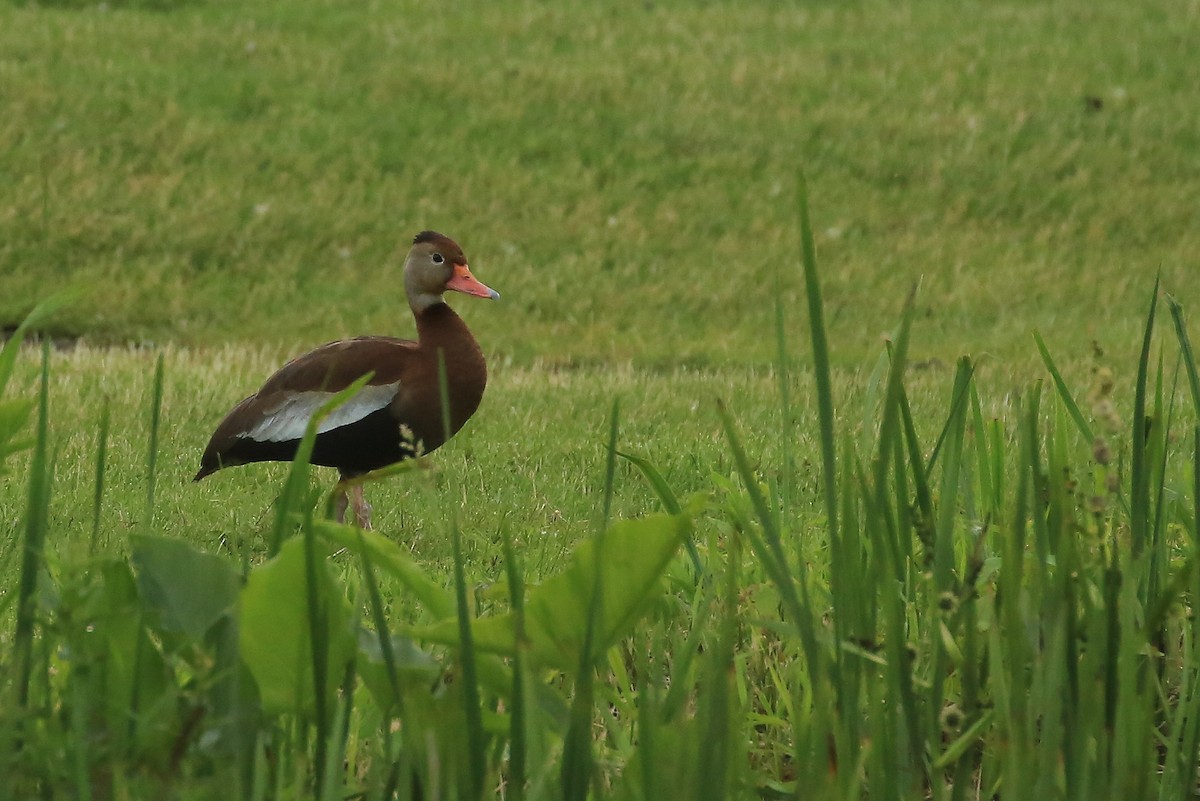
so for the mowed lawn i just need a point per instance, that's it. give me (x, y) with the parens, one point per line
(624, 173)
(220, 186)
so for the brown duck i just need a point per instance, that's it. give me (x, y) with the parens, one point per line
(397, 414)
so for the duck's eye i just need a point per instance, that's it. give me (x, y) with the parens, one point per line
(438, 258)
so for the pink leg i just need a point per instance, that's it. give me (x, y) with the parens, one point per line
(362, 509)
(340, 502)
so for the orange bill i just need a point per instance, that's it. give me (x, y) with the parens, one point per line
(463, 281)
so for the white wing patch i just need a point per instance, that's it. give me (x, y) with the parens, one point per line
(288, 419)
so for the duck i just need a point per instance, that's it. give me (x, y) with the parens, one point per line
(396, 415)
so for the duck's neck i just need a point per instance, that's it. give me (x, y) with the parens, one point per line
(438, 326)
(440, 329)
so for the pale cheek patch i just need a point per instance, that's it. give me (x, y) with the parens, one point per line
(288, 419)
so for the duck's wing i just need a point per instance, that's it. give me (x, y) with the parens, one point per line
(259, 426)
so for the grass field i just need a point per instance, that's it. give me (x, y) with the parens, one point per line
(624, 173)
(955, 585)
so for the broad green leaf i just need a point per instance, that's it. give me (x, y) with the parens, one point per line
(130, 691)
(635, 553)
(188, 590)
(410, 662)
(274, 630)
(390, 558)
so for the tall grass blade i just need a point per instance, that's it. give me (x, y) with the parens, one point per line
(871, 402)
(1161, 434)
(667, 497)
(1185, 346)
(152, 451)
(897, 432)
(961, 397)
(649, 718)
(820, 346)
(579, 761)
(920, 476)
(983, 472)
(1010, 649)
(296, 484)
(101, 469)
(895, 404)
(517, 739)
(578, 758)
(944, 557)
(679, 692)
(1063, 392)
(944, 551)
(379, 620)
(39, 314)
(36, 522)
(610, 467)
(1140, 474)
(330, 787)
(769, 550)
(785, 398)
(662, 489)
(715, 753)
(1191, 749)
(472, 704)
(318, 634)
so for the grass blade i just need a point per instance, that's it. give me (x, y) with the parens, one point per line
(1065, 394)
(983, 472)
(379, 619)
(662, 489)
(152, 451)
(610, 466)
(319, 637)
(960, 397)
(578, 767)
(1185, 346)
(101, 466)
(785, 399)
(820, 346)
(667, 497)
(472, 704)
(40, 312)
(36, 522)
(1139, 501)
(517, 745)
(297, 480)
(769, 550)
(715, 753)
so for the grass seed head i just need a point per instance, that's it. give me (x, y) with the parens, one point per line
(951, 719)
(947, 603)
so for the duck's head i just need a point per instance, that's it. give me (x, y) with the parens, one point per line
(434, 265)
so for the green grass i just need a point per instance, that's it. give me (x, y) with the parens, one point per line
(908, 575)
(1008, 613)
(622, 173)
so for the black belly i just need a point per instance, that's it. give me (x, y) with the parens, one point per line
(370, 443)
